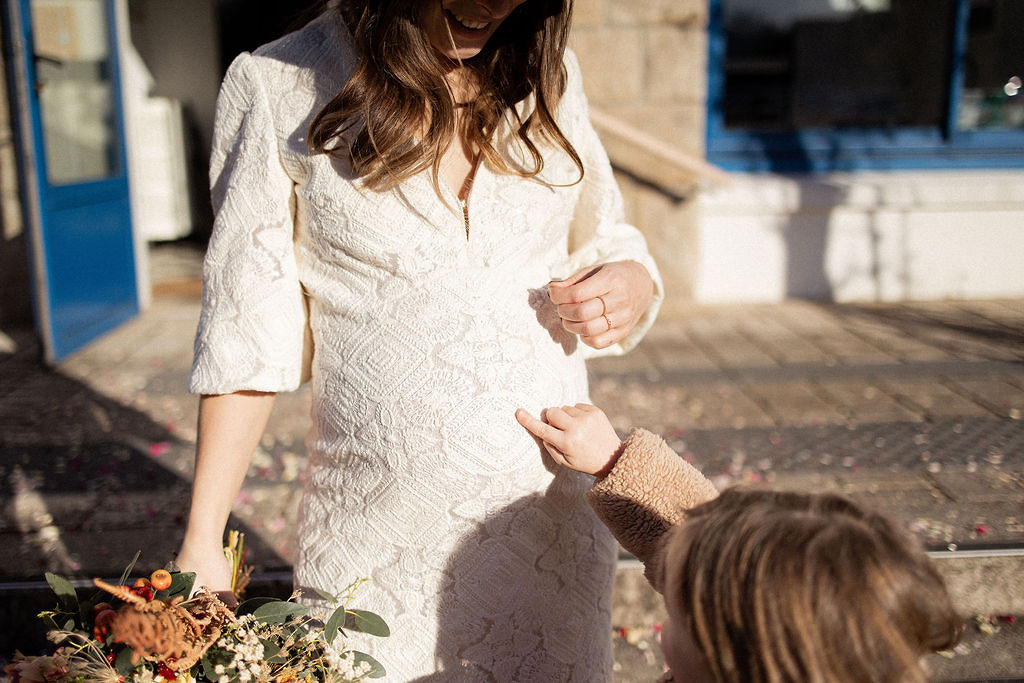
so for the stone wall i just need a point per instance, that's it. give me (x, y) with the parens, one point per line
(644, 62)
(16, 302)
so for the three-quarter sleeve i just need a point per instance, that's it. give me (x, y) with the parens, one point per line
(599, 232)
(253, 330)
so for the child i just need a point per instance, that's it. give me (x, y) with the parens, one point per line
(758, 585)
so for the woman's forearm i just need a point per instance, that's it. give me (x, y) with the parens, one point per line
(230, 428)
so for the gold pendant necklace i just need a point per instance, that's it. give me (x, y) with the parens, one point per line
(464, 203)
(467, 187)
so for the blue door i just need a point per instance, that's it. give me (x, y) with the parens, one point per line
(74, 164)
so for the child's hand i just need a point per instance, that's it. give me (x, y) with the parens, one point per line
(579, 437)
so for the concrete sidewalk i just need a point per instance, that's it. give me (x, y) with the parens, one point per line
(912, 408)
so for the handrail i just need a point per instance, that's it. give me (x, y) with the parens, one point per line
(660, 163)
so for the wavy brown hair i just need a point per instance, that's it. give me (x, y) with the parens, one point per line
(805, 588)
(376, 121)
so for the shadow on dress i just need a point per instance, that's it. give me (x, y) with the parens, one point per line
(518, 604)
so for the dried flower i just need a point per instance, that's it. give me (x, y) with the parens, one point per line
(165, 635)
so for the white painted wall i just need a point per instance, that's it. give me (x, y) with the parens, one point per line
(862, 237)
(179, 45)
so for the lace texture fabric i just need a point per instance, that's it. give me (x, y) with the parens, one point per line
(484, 557)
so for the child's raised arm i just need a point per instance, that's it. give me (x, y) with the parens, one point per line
(579, 437)
(643, 487)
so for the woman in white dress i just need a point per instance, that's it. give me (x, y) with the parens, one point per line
(413, 210)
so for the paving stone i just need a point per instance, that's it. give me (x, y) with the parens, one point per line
(860, 401)
(1003, 398)
(932, 398)
(850, 350)
(793, 403)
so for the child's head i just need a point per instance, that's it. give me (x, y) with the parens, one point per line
(772, 586)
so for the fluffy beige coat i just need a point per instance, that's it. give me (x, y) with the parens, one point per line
(646, 493)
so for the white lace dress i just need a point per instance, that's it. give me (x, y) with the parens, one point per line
(484, 557)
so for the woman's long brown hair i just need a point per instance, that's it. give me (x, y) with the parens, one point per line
(783, 587)
(376, 120)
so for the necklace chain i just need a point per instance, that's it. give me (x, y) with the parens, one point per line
(467, 187)
(465, 214)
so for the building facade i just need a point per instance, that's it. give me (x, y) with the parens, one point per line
(875, 147)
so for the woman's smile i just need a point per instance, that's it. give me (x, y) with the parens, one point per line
(468, 23)
(459, 29)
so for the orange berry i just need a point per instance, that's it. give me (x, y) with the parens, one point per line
(100, 607)
(101, 624)
(161, 579)
(141, 582)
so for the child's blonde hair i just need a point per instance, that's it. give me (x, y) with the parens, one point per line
(791, 587)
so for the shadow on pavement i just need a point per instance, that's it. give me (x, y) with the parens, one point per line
(937, 324)
(83, 488)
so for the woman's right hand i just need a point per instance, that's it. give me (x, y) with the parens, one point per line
(230, 426)
(212, 571)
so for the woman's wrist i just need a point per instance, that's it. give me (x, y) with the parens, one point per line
(198, 543)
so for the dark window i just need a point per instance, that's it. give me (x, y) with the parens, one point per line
(808, 85)
(993, 67)
(805, 64)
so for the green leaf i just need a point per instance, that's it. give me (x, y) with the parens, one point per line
(66, 595)
(367, 622)
(334, 624)
(324, 595)
(128, 570)
(250, 605)
(181, 584)
(123, 663)
(208, 667)
(376, 668)
(272, 652)
(211, 659)
(279, 612)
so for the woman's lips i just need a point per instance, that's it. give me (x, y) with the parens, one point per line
(465, 24)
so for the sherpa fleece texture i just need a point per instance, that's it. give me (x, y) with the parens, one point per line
(646, 493)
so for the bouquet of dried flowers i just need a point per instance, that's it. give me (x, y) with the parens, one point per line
(156, 630)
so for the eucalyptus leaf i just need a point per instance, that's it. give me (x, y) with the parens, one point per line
(376, 668)
(278, 612)
(272, 652)
(123, 663)
(250, 605)
(208, 667)
(66, 595)
(367, 622)
(334, 624)
(323, 595)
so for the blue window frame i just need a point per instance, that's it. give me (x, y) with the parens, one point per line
(840, 85)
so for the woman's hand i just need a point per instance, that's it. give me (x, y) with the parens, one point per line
(212, 570)
(579, 437)
(602, 304)
(230, 426)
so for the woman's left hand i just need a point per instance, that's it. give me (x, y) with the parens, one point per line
(602, 304)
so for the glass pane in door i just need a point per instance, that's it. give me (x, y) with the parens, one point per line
(76, 96)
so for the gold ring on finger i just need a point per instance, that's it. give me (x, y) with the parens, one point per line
(607, 320)
(604, 306)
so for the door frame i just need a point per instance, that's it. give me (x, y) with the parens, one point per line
(28, 132)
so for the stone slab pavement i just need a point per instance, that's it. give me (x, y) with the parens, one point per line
(914, 408)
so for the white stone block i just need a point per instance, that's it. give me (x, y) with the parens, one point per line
(863, 237)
